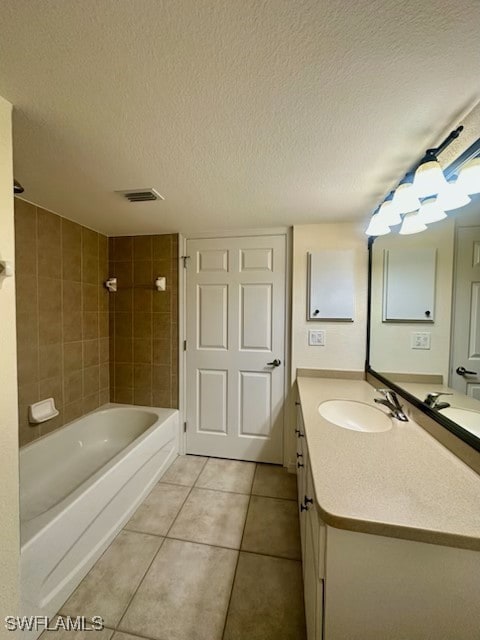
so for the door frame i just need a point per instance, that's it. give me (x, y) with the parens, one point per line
(182, 331)
(468, 221)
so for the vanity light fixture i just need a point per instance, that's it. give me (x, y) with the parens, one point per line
(377, 226)
(468, 180)
(424, 194)
(452, 197)
(389, 213)
(431, 211)
(406, 198)
(429, 178)
(412, 223)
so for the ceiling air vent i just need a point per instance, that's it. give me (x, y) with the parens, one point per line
(141, 195)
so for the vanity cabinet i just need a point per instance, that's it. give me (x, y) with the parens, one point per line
(360, 586)
(311, 540)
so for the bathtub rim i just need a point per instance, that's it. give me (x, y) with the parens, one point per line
(100, 409)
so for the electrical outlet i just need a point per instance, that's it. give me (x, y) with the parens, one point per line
(421, 340)
(316, 338)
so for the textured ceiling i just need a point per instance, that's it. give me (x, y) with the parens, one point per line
(242, 113)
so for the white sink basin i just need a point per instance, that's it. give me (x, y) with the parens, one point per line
(466, 418)
(356, 416)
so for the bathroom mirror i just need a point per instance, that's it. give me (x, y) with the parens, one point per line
(424, 315)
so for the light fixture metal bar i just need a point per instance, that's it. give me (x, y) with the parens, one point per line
(436, 151)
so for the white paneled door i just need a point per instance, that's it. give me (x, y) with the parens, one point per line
(235, 363)
(465, 360)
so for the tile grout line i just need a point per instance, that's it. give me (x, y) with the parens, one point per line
(117, 626)
(186, 498)
(238, 555)
(62, 329)
(138, 635)
(37, 280)
(238, 493)
(61, 611)
(209, 544)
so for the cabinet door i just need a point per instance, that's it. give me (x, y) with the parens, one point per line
(313, 590)
(409, 285)
(310, 585)
(301, 475)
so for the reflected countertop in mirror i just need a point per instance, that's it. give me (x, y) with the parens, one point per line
(425, 314)
(462, 409)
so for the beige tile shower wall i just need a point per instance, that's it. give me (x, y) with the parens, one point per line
(62, 317)
(143, 321)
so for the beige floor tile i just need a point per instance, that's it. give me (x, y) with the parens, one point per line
(272, 528)
(65, 634)
(119, 635)
(227, 475)
(184, 595)
(159, 509)
(108, 587)
(267, 600)
(275, 482)
(185, 470)
(212, 517)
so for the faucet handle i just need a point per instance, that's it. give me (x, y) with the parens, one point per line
(384, 392)
(436, 394)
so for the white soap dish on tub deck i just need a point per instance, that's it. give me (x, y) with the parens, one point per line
(42, 411)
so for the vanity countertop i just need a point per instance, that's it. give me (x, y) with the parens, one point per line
(400, 483)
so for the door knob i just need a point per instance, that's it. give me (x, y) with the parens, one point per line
(465, 372)
(275, 363)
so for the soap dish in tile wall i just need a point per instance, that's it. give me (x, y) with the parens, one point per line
(42, 411)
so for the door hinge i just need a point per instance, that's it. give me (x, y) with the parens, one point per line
(184, 427)
(184, 258)
(184, 345)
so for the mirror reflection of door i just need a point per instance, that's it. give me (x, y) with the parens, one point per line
(465, 360)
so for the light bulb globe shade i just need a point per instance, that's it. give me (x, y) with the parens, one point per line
(412, 224)
(431, 211)
(468, 180)
(389, 214)
(452, 197)
(405, 198)
(377, 227)
(429, 179)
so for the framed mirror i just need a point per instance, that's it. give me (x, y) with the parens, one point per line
(424, 315)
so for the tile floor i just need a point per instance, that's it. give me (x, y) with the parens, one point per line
(213, 552)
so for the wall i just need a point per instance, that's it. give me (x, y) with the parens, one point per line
(391, 341)
(62, 311)
(345, 341)
(143, 321)
(9, 521)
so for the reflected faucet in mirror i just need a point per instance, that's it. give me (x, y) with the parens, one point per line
(432, 400)
(391, 401)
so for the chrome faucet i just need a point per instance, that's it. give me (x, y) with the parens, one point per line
(391, 401)
(432, 400)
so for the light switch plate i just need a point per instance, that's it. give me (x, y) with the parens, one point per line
(421, 340)
(316, 338)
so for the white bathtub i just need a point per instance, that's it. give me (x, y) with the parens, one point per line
(78, 487)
